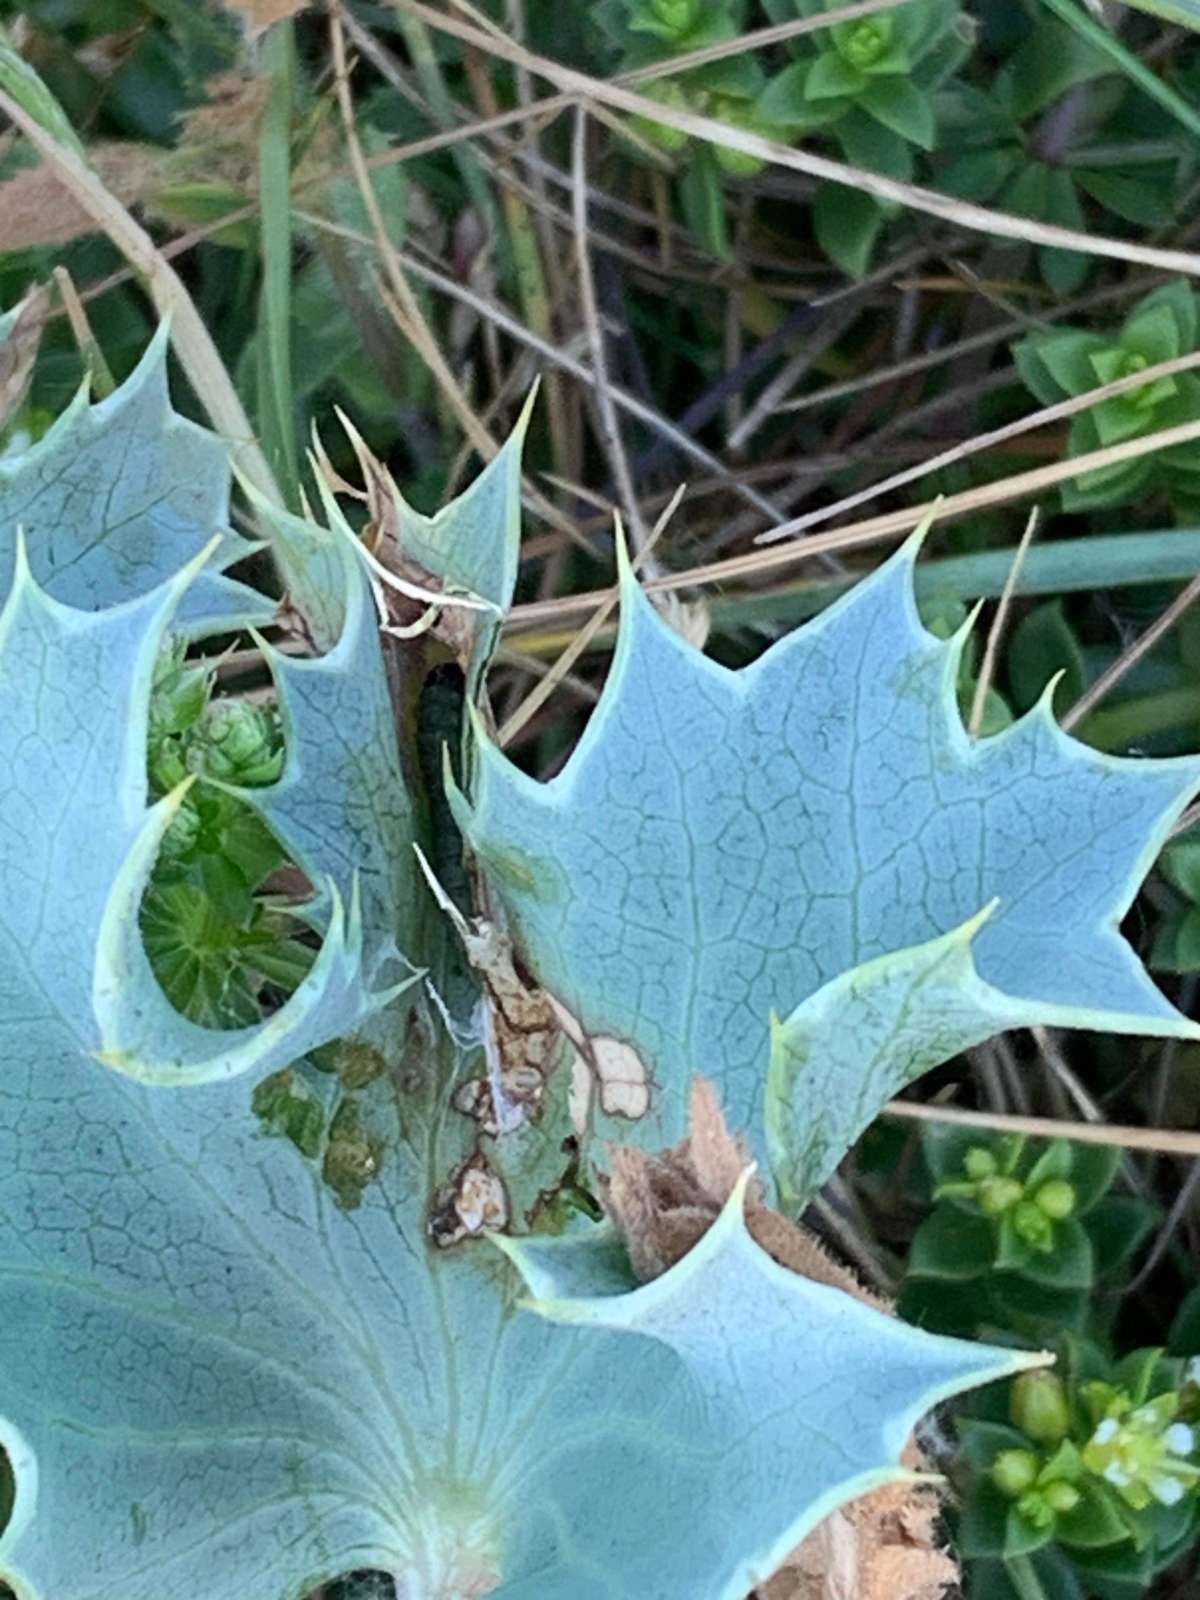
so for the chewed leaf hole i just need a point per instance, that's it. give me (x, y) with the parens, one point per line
(361, 1586)
(216, 918)
(8, 1495)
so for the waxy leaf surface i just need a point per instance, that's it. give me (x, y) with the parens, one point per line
(228, 1370)
(117, 497)
(723, 844)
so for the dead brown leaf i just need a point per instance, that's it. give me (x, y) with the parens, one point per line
(38, 211)
(881, 1547)
(19, 351)
(663, 1204)
(218, 139)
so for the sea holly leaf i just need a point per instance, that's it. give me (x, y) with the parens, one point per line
(771, 1376)
(236, 1353)
(230, 1364)
(312, 567)
(224, 1369)
(473, 542)
(78, 845)
(116, 497)
(860, 1039)
(723, 844)
(341, 801)
(468, 550)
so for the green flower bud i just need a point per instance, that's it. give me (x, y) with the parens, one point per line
(1033, 1225)
(863, 43)
(1015, 1471)
(980, 1163)
(677, 15)
(667, 93)
(1032, 1507)
(183, 832)
(998, 1195)
(1038, 1406)
(1057, 1199)
(167, 765)
(180, 691)
(240, 744)
(1061, 1497)
(737, 114)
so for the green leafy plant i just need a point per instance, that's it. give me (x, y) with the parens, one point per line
(646, 31)
(1019, 1234)
(213, 939)
(1160, 327)
(872, 85)
(1177, 941)
(1083, 1478)
(1093, 1473)
(680, 25)
(1052, 132)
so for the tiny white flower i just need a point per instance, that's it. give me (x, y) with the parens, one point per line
(1167, 1491)
(1117, 1476)
(1181, 1441)
(1106, 1431)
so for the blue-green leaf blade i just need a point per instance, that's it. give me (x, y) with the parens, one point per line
(772, 1379)
(116, 497)
(723, 844)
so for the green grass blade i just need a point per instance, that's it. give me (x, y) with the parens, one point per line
(1124, 59)
(276, 412)
(1184, 12)
(1060, 566)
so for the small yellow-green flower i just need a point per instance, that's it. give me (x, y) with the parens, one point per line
(1143, 1451)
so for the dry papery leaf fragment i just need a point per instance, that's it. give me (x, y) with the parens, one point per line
(38, 211)
(881, 1547)
(19, 351)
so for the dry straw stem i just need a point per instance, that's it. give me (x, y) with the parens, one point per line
(1166, 1141)
(542, 691)
(991, 652)
(560, 358)
(89, 346)
(193, 344)
(18, 351)
(610, 426)
(1129, 658)
(406, 307)
(978, 219)
(1129, 288)
(985, 441)
(402, 301)
(875, 529)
